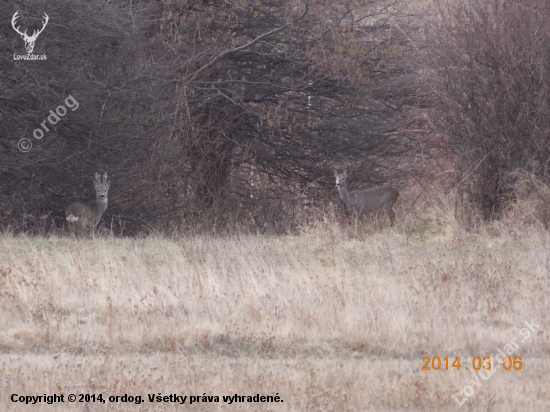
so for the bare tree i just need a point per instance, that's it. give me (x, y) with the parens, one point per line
(488, 72)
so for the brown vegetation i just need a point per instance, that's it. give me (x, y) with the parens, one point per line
(328, 322)
(210, 116)
(220, 123)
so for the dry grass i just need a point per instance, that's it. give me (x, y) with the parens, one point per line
(327, 321)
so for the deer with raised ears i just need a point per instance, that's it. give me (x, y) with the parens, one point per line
(367, 201)
(29, 40)
(79, 215)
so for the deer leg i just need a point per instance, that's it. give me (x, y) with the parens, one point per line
(360, 220)
(82, 223)
(391, 214)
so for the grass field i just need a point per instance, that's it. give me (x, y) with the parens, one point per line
(326, 321)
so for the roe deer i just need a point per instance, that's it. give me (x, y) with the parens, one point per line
(366, 201)
(79, 215)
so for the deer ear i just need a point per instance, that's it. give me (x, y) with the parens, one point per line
(335, 173)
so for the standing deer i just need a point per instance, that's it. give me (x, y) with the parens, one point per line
(79, 215)
(367, 201)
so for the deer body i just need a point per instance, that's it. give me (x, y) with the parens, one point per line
(363, 202)
(80, 215)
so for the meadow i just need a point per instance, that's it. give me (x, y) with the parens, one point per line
(326, 320)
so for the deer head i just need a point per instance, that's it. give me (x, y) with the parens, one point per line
(101, 187)
(29, 40)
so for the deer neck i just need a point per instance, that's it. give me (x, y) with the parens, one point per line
(344, 193)
(100, 205)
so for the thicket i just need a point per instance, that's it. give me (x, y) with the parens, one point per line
(230, 115)
(207, 115)
(489, 68)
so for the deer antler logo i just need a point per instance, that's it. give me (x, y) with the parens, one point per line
(29, 40)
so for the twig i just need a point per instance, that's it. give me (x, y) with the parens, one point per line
(244, 46)
(422, 191)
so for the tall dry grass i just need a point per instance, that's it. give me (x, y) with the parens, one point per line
(326, 320)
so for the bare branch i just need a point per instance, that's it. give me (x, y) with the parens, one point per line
(244, 46)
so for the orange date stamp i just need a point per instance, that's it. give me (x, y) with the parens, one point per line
(435, 363)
